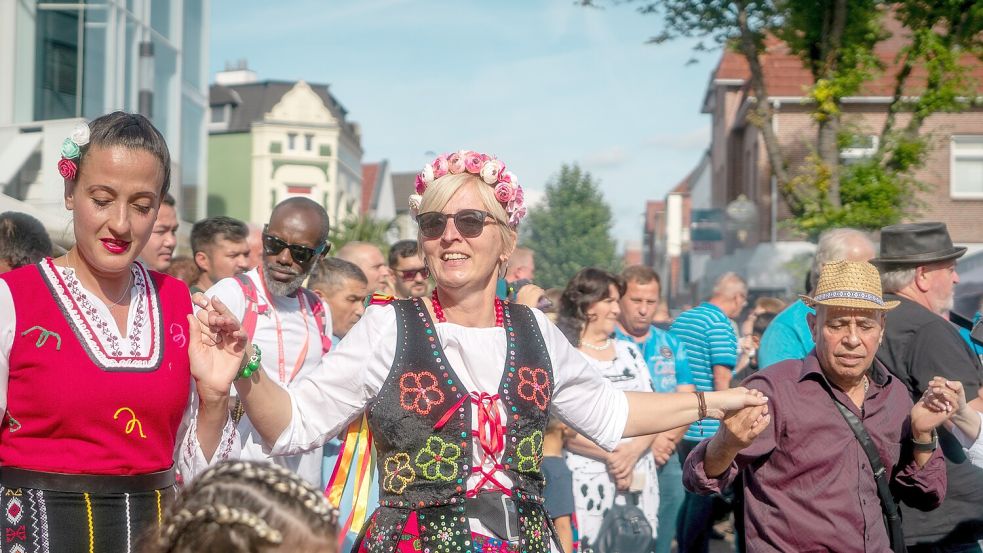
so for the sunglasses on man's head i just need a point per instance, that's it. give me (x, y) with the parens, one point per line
(301, 254)
(409, 275)
(468, 222)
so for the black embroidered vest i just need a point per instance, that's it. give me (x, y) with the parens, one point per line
(426, 469)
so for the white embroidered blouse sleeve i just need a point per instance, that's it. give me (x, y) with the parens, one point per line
(8, 322)
(190, 459)
(973, 447)
(351, 374)
(583, 398)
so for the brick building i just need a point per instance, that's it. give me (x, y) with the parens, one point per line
(953, 170)
(761, 247)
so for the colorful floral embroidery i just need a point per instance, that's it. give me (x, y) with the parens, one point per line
(43, 337)
(530, 452)
(535, 535)
(398, 473)
(438, 459)
(419, 392)
(534, 385)
(132, 423)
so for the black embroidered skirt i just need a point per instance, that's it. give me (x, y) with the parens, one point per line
(40, 521)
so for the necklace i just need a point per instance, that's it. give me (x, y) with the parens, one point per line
(866, 384)
(607, 344)
(438, 311)
(126, 290)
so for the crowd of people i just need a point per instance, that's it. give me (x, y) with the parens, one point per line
(224, 400)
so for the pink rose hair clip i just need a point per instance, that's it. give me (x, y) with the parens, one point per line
(71, 151)
(487, 168)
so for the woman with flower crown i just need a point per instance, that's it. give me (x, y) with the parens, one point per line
(457, 388)
(96, 361)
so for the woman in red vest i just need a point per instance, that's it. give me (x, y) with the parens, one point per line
(457, 389)
(95, 373)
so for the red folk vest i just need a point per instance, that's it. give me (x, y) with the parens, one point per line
(80, 403)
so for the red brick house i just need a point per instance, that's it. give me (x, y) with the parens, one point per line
(954, 166)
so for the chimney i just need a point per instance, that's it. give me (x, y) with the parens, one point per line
(238, 73)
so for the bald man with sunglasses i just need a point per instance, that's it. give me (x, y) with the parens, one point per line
(290, 324)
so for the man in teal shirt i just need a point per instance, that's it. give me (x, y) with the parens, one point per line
(669, 369)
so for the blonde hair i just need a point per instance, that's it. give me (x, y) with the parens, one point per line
(440, 192)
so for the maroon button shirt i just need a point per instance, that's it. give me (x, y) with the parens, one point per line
(807, 481)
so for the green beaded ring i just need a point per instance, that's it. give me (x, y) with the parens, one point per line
(252, 365)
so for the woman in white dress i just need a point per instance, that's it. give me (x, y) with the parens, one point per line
(587, 315)
(457, 389)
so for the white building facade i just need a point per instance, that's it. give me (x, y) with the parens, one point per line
(64, 62)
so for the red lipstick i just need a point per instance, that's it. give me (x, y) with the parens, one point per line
(115, 246)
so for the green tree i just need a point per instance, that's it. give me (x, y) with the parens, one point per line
(835, 39)
(570, 229)
(361, 228)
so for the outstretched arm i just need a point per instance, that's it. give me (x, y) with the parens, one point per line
(651, 413)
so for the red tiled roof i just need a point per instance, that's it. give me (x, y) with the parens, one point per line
(370, 174)
(683, 186)
(785, 75)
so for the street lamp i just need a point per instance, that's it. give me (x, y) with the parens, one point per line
(742, 216)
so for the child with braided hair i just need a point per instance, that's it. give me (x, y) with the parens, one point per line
(247, 506)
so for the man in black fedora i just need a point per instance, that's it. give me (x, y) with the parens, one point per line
(917, 263)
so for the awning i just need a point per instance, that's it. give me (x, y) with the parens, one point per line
(15, 154)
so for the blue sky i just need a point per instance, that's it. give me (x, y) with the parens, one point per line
(536, 83)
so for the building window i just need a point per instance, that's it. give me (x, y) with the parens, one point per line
(325, 150)
(218, 114)
(967, 167)
(862, 148)
(292, 141)
(308, 142)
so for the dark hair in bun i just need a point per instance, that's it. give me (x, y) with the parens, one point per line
(133, 131)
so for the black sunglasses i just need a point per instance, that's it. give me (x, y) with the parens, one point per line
(409, 275)
(468, 222)
(301, 254)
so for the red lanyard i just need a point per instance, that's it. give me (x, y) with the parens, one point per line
(281, 360)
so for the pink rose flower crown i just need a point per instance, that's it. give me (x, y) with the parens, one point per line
(71, 151)
(487, 168)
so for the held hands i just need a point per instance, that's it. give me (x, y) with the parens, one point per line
(722, 402)
(942, 400)
(739, 428)
(216, 348)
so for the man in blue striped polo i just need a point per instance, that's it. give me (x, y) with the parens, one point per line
(707, 333)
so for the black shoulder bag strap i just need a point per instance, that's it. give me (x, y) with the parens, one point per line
(892, 519)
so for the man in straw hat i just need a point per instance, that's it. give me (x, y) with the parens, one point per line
(808, 481)
(917, 263)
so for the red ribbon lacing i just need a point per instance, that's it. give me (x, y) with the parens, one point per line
(491, 437)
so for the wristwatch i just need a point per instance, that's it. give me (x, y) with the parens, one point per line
(928, 446)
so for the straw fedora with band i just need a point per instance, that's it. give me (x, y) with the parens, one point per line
(913, 244)
(851, 284)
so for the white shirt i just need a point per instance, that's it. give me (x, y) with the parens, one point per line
(325, 401)
(974, 448)
(189, 458)
(297, 328)
(627, 372)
